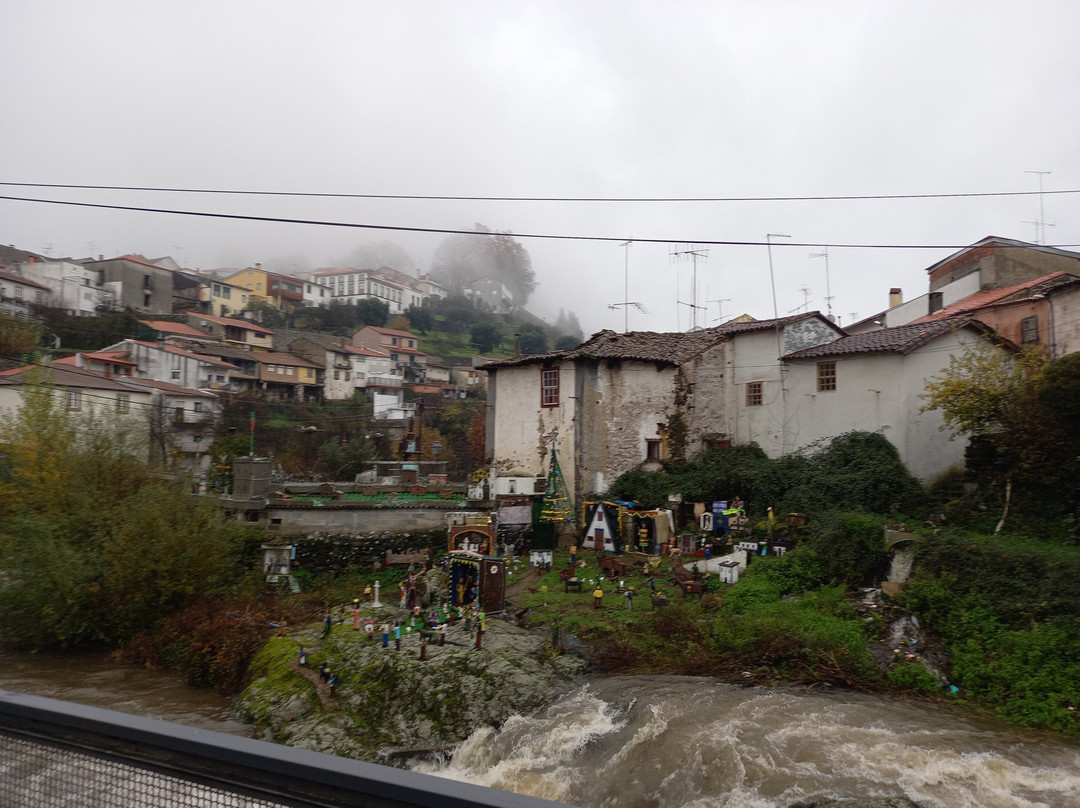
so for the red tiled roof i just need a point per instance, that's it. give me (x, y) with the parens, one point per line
(981, 300)
(391, 332)
(168, 327)
(115, 357)
(272, 358)
(250, 326)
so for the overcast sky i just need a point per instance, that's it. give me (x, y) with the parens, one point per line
(580, 99)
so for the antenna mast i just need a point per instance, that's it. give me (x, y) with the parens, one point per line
(694, 253)
(828, 290)
(1040, 226)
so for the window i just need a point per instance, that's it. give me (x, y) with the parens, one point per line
(176, 375)
(74, 400)
(1029, 329)
(197, 406)
(826, 377)
(288, 370)
(123, 402)
(178, 415)
(549, 387)
(753, 394)
(337, 375)
(652, 449)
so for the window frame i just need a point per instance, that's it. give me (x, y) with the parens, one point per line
(549, 386)
(1029, 329)
(755, 394)
(827, 376)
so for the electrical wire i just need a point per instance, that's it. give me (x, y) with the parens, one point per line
(456, 232)
(605, 199)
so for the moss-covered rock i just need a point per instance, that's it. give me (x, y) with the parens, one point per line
(388, 698)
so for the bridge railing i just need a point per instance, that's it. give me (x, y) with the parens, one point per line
(57, 753)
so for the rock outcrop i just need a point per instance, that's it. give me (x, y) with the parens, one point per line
(386, 699)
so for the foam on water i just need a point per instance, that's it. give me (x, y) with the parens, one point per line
(680, 741)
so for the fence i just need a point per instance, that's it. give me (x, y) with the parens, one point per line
(56, 753)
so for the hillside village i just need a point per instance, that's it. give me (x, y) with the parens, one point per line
(606, 406)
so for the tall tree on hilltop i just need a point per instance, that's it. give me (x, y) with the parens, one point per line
(375, 254)
(461, 259)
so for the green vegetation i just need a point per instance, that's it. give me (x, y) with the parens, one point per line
(93, 547)
(1007, 612)
(858, 469)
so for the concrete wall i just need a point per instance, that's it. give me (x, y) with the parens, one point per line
(353, 520)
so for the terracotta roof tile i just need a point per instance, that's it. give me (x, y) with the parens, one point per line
(901, 340)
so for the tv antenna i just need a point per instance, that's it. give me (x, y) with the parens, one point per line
(806, 300)
(626, 303)
(693, 253)
(1040, 225)
(719, 307)
(828, 291)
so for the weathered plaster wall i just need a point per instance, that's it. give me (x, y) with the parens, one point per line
(624, 405)
(877, 393)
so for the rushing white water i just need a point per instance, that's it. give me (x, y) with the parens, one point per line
(680, 741)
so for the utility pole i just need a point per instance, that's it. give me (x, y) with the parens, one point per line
(695, 254)
(779, 346)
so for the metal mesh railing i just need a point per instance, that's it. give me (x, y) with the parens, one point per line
(34, 773)
(55, 753)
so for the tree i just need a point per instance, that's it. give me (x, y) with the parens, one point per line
(534, 340)
(978, 388)
(1019, 441)
(566, 342)
(266, 313)
(461, 259)
(421, 318)
(485, 337)
(377, 254)
(92, 547)
(567, 325)
(17, 335)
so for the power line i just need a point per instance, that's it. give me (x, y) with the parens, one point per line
(447, 231)
(460, 198)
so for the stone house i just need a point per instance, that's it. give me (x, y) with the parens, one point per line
(619, 400)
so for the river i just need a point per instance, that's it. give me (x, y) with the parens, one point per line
(666, 742)
(98, 681)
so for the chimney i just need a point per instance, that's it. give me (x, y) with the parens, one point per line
(896, 297)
